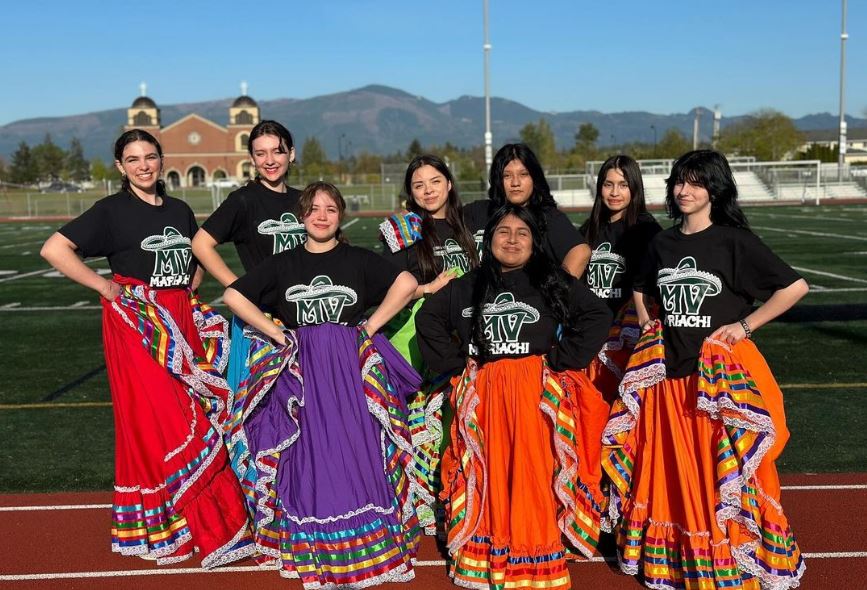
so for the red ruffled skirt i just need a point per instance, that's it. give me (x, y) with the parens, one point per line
(174, 492)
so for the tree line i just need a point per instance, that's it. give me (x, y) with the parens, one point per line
(766, 135)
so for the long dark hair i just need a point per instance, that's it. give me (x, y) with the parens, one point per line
(454, 217)
(131, 136)
(600, 214)
(710, 170)
(305, 203)
(541, 196)
(269, 127)
(545, 276)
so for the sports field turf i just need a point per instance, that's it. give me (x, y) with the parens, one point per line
(56, 420)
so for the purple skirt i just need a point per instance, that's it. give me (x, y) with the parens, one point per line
(333, 498)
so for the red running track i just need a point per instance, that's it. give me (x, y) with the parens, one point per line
(70, 548)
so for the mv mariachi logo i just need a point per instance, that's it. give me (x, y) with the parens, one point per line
(321, 301)
(603, 269)
(288, 232)
(479, 238)
(683, 290)
(172, 258)
(503, 320)
(453, 255)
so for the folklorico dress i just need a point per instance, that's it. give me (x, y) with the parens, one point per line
(402, 234)
(560, 235)
(323, 424)
(616, 255)
(692, 442)
(512, 472)
(174, 491)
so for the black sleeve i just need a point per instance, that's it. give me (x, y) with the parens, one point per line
(379, 276)
(225, 223)
(644, 279)
(90, 231)
(562, 236)
(260, 284)
(434, 333)
(405, 259)
(590, 319)
(760, 272)
(637, 243)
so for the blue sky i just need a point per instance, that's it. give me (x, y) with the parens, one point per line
(63, 58)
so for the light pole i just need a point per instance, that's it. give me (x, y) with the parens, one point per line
(841, 157)
(489, 151)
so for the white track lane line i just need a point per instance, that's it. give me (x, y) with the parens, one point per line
(351, 222)
(792, 488)
(245, 569)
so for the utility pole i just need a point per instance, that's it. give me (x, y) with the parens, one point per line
(717, 116)
(489, 139)
(841, 158)
(695, 128)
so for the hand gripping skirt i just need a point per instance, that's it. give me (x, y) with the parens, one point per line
(323, 421)
(692, 461)
(510, 477)
(174, 492)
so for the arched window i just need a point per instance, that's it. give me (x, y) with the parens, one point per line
(243, 118)
(142, 119)
(245, 139)
(196, 176)
(219, 174)
(173, 179)
(246, 170)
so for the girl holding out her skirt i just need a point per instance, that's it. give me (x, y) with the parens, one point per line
(618, 231)
(431, 241)
(691, 444)
(324, 418)
(260, 219)
(511, 472)
(174, 492)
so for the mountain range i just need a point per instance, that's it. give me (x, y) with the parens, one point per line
(382, 120)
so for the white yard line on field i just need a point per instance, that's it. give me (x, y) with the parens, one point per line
(810, 233)
(822, 273)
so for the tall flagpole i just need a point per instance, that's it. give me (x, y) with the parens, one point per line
(841, 158)
(489, 151)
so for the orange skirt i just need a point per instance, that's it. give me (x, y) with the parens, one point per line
(607, 368)
(694, 479)
(510, 480)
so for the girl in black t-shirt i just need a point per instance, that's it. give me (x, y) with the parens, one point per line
(516, 177)
(619, 231)
(174, 492)
(260, 219)
(430, 241)
(319, 433)
(514, 472)
(693, 439)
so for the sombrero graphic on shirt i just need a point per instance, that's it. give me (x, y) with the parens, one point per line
(453, 256)
(168, 240)
(287, 224)
(603, 255)
(321, 287)
(686, 274)
(505, 304)
(604, 266)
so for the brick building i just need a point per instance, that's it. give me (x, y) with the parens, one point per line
(198, 151)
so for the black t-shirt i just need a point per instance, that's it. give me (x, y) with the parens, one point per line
(617, 255)
(560, 235)
(704, 281)
(447, 254)
(150, 243)
(337, 286)
(259, 221)
(518, 323)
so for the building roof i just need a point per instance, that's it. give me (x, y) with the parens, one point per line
(143, 102)
(244, 101)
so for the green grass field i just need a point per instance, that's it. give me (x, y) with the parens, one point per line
(56, 425)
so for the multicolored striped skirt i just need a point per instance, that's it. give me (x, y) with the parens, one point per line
(692, 460)
(325, 448)
(511, 480)
(174, 492)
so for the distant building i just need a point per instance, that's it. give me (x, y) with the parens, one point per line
(198, 151)
(856, 142)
